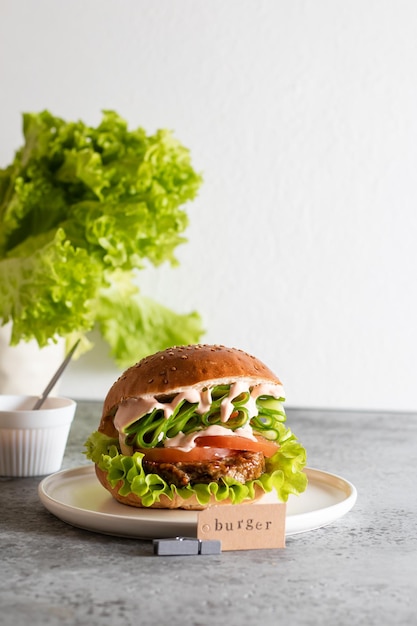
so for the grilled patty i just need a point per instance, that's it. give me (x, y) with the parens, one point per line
(241, 466)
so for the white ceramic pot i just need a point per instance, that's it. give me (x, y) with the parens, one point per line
(26, 369)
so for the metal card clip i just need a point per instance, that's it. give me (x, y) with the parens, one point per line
(185, 546)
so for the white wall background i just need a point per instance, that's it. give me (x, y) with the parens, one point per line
(302, 117)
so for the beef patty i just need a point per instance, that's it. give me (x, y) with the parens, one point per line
(241, 466)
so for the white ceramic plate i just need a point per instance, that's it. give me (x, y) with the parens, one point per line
(76, 497)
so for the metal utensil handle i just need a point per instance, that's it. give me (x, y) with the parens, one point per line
(54, 378)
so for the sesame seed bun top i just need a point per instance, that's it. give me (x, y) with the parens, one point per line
(172, 370)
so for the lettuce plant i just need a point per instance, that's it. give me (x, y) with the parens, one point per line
(82, 209)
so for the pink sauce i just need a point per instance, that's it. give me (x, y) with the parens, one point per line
(135, 408)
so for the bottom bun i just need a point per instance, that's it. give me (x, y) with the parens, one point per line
(177, 502)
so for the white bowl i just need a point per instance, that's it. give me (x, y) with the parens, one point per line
(32, 443)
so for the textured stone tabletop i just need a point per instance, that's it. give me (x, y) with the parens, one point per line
(361, 569)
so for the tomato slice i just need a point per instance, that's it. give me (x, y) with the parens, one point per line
(211, 447)
(234, 442)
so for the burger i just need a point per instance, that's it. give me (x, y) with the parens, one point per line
(194, 426)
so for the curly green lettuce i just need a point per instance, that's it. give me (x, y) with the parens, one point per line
(283, 474)
(81, 209)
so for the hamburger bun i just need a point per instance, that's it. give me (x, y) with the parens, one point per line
(170, 371)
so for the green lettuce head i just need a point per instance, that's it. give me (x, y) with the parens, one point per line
(82, 210)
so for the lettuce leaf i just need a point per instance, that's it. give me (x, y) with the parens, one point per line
(283, 474)
(46, 293)
(82, 208)
(137, 326)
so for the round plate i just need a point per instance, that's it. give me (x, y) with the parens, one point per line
(76, 497)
